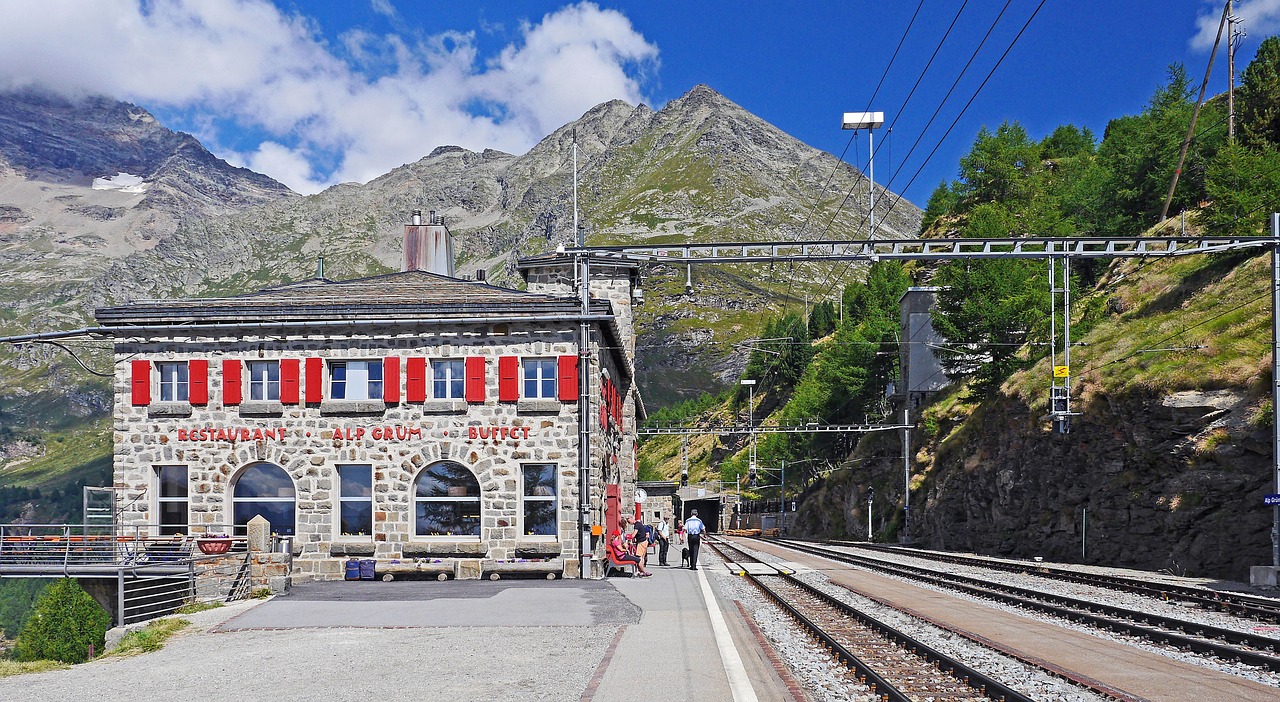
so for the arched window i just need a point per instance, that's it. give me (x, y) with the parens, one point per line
(446, 501)
(264, 489)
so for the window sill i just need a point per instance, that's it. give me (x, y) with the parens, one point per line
(348, 407)
(169, 409)
(537, 406)
(444, 407)
(364, 547)
(261, 408)
(445, 547)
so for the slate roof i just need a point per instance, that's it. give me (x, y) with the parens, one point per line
(405, 295)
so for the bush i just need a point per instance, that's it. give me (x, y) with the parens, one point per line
(65, 623)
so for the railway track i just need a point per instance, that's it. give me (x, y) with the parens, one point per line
(1263, 609)
(1225, 644)
(893, 664)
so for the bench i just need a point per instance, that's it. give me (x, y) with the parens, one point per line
(614, 563)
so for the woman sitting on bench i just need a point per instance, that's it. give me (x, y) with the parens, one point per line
(619, 552)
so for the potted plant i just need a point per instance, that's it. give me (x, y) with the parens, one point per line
(213, 544)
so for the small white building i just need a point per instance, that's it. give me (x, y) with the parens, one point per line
(406, 417)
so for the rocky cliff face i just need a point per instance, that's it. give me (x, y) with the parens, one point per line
(1171, 482)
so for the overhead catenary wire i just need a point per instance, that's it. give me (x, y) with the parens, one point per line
(839, 162)
(826, 287)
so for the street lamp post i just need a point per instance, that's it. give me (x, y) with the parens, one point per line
(868, 121)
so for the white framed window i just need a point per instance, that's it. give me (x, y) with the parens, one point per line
(264, 380)
(539, 378)
(171, 499)
(355, 500)
(447, 379)
(174, 381)
(538, 498)
(355, 380)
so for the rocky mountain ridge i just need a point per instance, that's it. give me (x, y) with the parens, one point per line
(701, 169)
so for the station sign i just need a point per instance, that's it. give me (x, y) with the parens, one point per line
(1271, 500)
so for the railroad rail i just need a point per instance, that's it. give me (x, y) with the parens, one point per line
(1263, 609)
(886, 660)
(1193, 636)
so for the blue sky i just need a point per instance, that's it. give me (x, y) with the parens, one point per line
(322, 91)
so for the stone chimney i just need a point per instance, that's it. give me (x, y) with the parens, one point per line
(428, 247)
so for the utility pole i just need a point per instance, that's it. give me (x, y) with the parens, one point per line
(1231, 75)
(1234, 37)
(1191, 130)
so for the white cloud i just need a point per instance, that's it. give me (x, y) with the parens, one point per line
(1261, 18)
(390, 100)
(384, 8)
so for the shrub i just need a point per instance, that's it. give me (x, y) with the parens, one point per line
(65, 623)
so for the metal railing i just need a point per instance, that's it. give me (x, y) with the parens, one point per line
(66, 547)
(154, 574)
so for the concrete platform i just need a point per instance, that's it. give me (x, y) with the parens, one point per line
(706, 652)
(706, 649)
(616, 640)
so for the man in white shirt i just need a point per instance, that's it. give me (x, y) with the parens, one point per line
(694, 528)
(663, 530)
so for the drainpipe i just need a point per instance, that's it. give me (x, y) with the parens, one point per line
(584, 425)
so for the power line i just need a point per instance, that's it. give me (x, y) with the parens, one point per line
(826, 287)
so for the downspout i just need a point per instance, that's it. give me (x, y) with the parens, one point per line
(584, 425)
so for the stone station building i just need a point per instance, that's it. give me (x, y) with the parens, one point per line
(419, 419)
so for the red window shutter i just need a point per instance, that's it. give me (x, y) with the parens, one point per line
(231, 386)
(289, 368)
(140, 383)
(415, 380)
(475, 368)
(508, 378)
(315, 379)
(391, 379)
(567, 375)
(198, 381)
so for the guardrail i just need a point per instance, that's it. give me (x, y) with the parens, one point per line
(154, 575)
(73, 546)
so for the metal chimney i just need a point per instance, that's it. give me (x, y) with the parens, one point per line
(428, 247)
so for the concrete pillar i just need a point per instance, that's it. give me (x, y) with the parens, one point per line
(259, 533)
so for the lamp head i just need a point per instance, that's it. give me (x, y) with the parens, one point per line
(862, 120)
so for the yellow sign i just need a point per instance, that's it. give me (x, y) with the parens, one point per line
(1062, 371)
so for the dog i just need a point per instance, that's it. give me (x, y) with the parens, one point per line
(684, 557)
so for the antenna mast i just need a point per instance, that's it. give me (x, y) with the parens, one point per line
(577, 233)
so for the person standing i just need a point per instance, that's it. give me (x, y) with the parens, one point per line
(663, 534)
(643, 537)
(693, 528)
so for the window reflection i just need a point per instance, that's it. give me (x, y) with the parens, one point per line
(447, 501)
(264, 489)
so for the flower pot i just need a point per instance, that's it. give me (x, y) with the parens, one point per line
(213, 547)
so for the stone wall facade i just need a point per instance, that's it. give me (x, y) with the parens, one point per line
(218, 441)
(615, 283)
